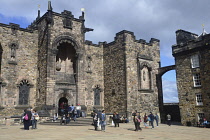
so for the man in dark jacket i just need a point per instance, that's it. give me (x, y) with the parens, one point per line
(151, 116)
(116, 119)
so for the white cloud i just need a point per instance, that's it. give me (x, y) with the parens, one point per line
(170, 94)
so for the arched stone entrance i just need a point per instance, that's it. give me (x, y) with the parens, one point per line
(65, 67)
(62, 103)
(161, 71)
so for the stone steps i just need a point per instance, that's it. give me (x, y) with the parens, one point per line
(79, 122)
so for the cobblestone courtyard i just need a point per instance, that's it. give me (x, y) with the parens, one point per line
(86, 132)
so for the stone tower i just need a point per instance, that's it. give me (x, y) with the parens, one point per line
(130, 68)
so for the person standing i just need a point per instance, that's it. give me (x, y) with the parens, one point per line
(27, 119)
(116, 119)
(169, 119)
(137, 120)
(75, 113)
(156, 119)
(151, 116)
(145, 120)
(95, 120)
(33, 119)
(72, 111)
(103, 120)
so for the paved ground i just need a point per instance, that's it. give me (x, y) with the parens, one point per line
(86, 132)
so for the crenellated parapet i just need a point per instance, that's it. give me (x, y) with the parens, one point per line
(15, 27)
(122, 35)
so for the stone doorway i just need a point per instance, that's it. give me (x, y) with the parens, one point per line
(62, 104)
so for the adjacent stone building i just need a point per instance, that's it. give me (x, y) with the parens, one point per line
(192, 60)
(50, 62)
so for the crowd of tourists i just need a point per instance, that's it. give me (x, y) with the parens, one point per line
(68, 113)
(30, 118)
(147, 120)
(99, 120)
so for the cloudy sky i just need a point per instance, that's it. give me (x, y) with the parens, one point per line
(146, 18)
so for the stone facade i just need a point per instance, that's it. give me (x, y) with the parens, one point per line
(50, 62)
(130, 68)
(192, 71)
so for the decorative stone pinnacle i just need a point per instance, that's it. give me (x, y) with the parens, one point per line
(83, 12)
(38, 11)
(49, 6)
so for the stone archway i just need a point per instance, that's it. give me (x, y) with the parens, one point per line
(62, 103)
(65, 65)
(162, 71)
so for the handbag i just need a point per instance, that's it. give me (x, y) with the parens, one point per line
(37, 118)
(139, 120)
(112, 123)
(98, 125)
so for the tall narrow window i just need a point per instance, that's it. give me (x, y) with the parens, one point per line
(195, 61)
(199, 100)
(97, 96)
(24, 92)
(197, 80)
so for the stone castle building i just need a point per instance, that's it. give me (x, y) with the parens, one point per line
(50, 62)
(192, 60)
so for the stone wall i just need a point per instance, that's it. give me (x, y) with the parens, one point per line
(94, 75)
(42, 62)
(17, 64)
(115, 76)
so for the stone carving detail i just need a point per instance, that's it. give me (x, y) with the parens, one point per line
(13, 46)
(89, 59)
(145, 76)
(67, 21)
(58, 65)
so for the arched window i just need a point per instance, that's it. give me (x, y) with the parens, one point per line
(24, 90)
(97, 96)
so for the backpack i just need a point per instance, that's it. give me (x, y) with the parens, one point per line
(26, 117)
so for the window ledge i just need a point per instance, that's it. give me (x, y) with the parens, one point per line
(146, 90)
(22, 106)
(199, 105)
(197, 87)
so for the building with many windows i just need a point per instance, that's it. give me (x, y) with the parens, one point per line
(192, 60)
